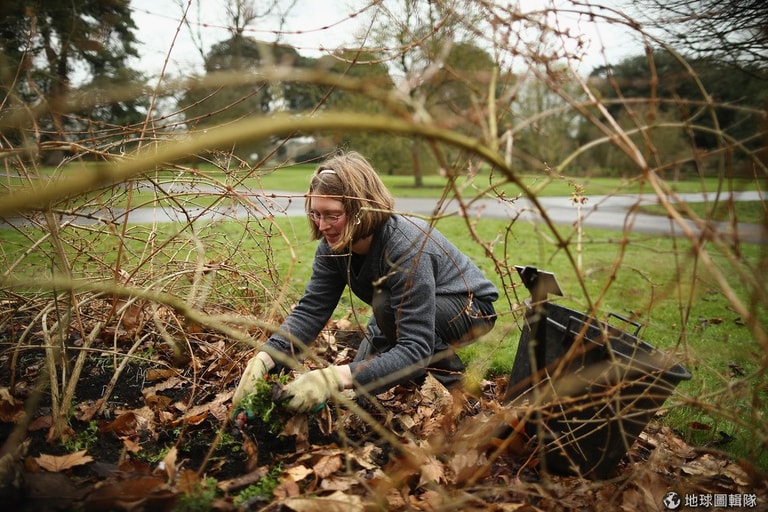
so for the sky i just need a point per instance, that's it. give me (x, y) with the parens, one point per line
(313, 26)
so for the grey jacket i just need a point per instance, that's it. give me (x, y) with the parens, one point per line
(415, 262)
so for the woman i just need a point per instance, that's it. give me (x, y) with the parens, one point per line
(426, 295)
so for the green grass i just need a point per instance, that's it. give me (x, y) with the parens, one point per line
(296, 179)
(751, 212)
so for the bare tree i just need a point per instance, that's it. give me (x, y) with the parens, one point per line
(730, 30)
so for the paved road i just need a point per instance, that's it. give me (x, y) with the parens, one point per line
(615, 212)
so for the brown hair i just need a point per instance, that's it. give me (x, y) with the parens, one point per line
(367, 202)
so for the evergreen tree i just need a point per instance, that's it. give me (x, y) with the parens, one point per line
(48, 49)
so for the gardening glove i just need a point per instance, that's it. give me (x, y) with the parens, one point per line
(255, 371)
(310, 391)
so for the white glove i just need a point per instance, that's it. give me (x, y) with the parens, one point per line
(255, 371)
(310, 391)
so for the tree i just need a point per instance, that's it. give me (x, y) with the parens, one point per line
(542, 125)
(730, 31)
(719, 104)
(388, 153)
(210, 102)
(44, 43)
(454, 90)
(426, 46)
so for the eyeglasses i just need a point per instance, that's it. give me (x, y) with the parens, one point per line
(329, 219)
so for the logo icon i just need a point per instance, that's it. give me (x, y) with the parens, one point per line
(671, 501)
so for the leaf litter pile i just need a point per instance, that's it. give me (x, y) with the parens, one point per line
(151, 430)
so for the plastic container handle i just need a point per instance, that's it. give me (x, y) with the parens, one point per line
(637, 325)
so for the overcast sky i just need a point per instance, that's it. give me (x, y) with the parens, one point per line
(312, 25)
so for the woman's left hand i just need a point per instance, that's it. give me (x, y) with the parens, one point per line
(310, 391)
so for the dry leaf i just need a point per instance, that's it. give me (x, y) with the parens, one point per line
(428, 500)
(327, 466)
(431, 471)
(298, 473)
(364, 456)
(190, 419)
(336, 502)
(651, 488)
(171, 383)
(252, 452)
(157, 402)
(339, 483)
(132, 314)
(124, 425)
(465, 465)
(169, 463)
(189, 481)
(128, 494)
(131, 444)
(40, 423)
(298, 426)
(60, 463)
(10, 408)
(160, 373)
(287, 488)
(343, 324)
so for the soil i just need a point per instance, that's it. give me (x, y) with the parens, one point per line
(163, 435)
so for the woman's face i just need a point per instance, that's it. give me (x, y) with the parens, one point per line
(328, 214)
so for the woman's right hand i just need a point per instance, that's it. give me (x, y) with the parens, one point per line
(255, 371)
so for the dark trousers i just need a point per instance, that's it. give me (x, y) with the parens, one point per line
(457, 322)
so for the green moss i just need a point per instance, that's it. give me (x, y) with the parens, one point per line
(261, 405)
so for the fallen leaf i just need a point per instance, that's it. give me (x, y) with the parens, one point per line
(132, 315)
(298, 426)
(157, 402)
(327, 466)
(287, 488)
(651, 489)
(40, 423)
(298, 473)
(252, 452)
(169, 463)
(429, 500)
(10, 408)
(432, 471)
(336, 502)
(466, 465)
(343, 324)
(188, 482)
(60, 463)
(159, 373)
(364, 456)
(124, 425)
(339, 483)
(130, 494)
(190, 419)
(131, 444)
(171, 383)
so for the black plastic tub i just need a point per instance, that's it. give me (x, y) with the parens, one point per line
(600, 388)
